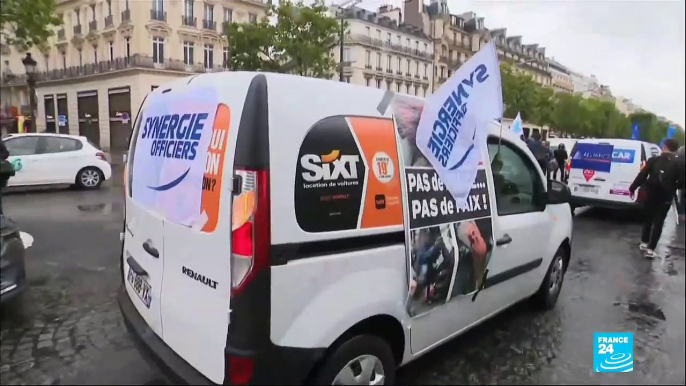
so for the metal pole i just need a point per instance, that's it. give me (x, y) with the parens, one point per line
(340, 42)
(32, 102)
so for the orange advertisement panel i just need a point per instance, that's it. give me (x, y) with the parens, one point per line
(212, 179)
(382, 205)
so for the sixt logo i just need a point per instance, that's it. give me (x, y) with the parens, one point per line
(329, 168)
(446, 127)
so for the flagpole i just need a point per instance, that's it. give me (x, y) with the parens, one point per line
(500, 138)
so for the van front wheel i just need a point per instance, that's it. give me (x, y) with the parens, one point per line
(362, 360)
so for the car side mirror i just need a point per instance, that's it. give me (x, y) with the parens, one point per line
(558, 193)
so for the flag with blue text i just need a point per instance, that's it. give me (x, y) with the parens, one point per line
(452, 129)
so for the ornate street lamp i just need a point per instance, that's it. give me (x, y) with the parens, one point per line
(30, 68)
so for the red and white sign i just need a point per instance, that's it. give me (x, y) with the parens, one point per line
(588, 174)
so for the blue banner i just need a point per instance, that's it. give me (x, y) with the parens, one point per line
(623, 156)
(635, 133)
(595, 157)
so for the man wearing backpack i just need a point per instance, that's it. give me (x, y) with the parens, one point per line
(660, 178)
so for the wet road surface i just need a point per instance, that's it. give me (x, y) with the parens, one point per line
(67, 328)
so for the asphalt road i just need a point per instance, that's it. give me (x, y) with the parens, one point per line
(68, 329)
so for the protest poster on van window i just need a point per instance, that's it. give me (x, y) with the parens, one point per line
(178, 157)
(450, 245)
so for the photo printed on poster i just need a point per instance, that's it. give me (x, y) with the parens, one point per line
(450, 246)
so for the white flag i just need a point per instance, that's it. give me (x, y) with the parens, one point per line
(453, 126)
(516, 126)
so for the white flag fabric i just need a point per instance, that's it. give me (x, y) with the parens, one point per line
(516, 126)
(453, 127)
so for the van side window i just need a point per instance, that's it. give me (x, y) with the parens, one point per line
(518, 186)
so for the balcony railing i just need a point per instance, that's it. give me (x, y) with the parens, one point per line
(368, 66)
(77, 30)
(126, 15)
(61, 34)
(109, 66)
(363, 39)
(209, 25)
(189, 21)
(92, 26)
(109, 21)
(156, 14)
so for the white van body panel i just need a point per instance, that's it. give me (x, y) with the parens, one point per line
(289, 123)
(343, 293)
(609, 187)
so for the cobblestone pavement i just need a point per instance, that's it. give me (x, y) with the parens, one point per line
(67, 327)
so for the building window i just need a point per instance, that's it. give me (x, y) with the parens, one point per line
(127, 46)
(64, 60)
(209, 12)
(78, 16)
(369, 34)
(416, 72)
(126, 5)
(367, 81)
(95, 55)
(407, 41)
(109, 7)
(378, 60)
(416, 45)
(368, 59)
(388, 63)
(388, 38)
(400, 64)
(157, 50)
(111, 50)
(378, 34)
(408, 67)
(225, 57)
(400, 41)
(188, 48)
(209, 56)
(188, 8)
(252, 18)
(347, 55)
(416, 90)
(47, 63)
(347, 79)
(426, 48)
(426, 70)
(158, 5)
(378, 83)
(80, 58)
(228, 15)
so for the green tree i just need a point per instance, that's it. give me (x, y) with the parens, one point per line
(26, 23)
(520, 94)
(300, 42)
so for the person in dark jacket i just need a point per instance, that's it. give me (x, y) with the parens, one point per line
(681, 164)
(561, 157)
(5, 172)
(539, 150)
(660, 179)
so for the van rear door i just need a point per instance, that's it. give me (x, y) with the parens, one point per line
(626, 163)
(197, 270)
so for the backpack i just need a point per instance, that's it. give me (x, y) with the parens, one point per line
(664, 173)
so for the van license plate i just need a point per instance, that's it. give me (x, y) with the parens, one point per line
(591, 189)
(140, 286)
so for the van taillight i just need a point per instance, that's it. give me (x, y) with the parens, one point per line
(241, 370)
(250, 231)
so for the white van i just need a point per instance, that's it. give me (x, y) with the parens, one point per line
(284, 230)
(610, 189)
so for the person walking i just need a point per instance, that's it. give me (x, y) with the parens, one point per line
(539, 150)
(681, 165)
(6, 171)
(561, 156)
(660, 179)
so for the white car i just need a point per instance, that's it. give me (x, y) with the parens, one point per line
(47, 158)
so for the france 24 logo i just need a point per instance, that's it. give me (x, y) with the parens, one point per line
(613, 352)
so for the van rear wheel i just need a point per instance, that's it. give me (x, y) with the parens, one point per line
(362, 360)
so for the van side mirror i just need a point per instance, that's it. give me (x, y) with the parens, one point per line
(558, 193)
